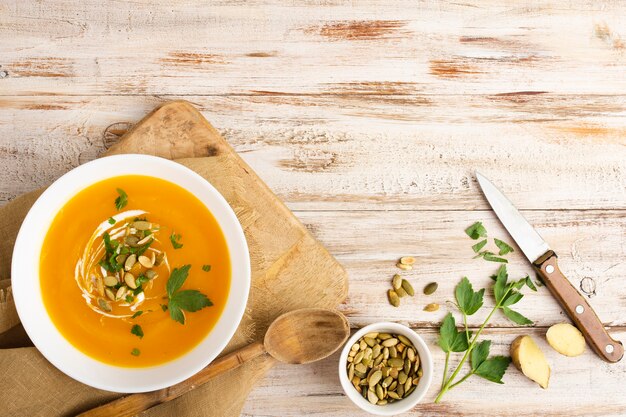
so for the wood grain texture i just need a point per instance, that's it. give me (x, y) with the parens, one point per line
(368, 119)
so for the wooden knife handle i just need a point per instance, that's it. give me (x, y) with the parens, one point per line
(133, 404)
(578, 309)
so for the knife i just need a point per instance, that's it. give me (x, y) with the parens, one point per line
(544, 260)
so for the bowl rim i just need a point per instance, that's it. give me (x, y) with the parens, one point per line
(27, 291)
(405, 404)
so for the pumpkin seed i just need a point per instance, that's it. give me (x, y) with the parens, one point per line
(432, 307)
(145, 262)
(360, 368)
(387, 381)
(353, 348)
(402, 377)
(132, 241)
(145, 240)
(394, 300)
(129, 279)
(130, 262)
(390, 342)
(404, 267)
(407, 260)
(371, 397)
(393, 352)
(356, 380)
(431, 288)
(159, 259)
(378, 360)
(407, 366)
(381, 402)
(375, 378)
(369, 341)
(121, 258)
(404, 340)
(384, 336)
(406, 285)
(121, 292)
(409, 392)
(109, 294)
(393, 373)
(150, 274)
(392, 387)
(104, 305)
(376, 350)
(401, 293)
(362, 345)
(396, 281)
(142, 225)
(408, 384)
(368, 353)
(350, 359)
(359, 357)
(400, 348)
(393, 395)
(110, 281)
(351, 371)
(379, 392)
(400, 390)
(410, 354)
(386, 353)
(395, 363)
(372, 335)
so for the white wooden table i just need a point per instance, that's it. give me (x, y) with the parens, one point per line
(368, 118)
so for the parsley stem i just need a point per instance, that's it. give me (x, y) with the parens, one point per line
(461, 380)
(445, 370)
(447, 386)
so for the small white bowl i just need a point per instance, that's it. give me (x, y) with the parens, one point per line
(405, 404)
(27, 291)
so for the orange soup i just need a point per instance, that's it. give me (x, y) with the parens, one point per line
(134, 271)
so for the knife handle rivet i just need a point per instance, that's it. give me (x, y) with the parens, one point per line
(549, 269)
(609, 348)
(580, 310)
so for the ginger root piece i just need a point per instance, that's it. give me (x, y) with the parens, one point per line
(566, 339)
(529, 359)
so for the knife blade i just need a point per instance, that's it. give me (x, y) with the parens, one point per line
(544, 260)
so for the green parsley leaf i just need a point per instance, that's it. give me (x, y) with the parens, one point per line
(477, 247)
(493, 368)
(137, 314)
(468, 300)
(530, 284)
(111, 220)
(512, 298)
(499, 287)
(476, 231)
(206, 268)
(516, 317)
(450, 339)
(137, 331)
(176, 313)
(480, 353)
(163, 307)
(140, 280)
(175, 239)
(129, 298)
(177, 279)
(191, 300)
(504, 247)
(122, 200)
(135, 352)
(488, 256)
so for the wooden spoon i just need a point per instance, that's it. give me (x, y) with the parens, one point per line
(300, 336)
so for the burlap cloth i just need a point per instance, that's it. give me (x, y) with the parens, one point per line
(31, 386)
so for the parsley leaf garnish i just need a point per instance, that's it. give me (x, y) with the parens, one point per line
(503, 246)
(206, 268)
(111, 220)
(179, 300)
(122, 200)
(129, 298)
(137, 331)
(468, 300)
(175, 239)
(476, 231)
(137, 314)
(477, 247)
(493, 368)
(135, 352)
(450, 339)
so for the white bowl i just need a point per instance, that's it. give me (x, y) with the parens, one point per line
(405, 404)
(27, 290)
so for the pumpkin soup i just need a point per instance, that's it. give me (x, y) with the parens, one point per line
(134, 271)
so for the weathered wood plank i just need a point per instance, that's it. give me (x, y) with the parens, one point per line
(581, 386)
(590, 244)
(476, 46)
(359, 152)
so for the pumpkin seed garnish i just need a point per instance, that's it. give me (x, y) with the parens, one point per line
(406, 285)
(145, 262)
(407, 260)
(104, 305)
(431, 307)
(396, 282)
(142, 225)
(130, 262)
(110, 281)
(109, 294)
(394, 300)
(404, 267)
(129, 279)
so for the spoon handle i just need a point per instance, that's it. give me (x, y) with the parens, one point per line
(133, 404)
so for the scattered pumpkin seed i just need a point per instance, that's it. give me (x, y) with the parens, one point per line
(407, 260)
(110, 281)
(144, 240)
(110, 294)
(145, 261)
(431, 288)
(394, 300)
(396, 281)
(372, 335)
(371, 397)
(132, 241)
(142, 225)
(406, 285)
(401, 293)
(404, 340)
(151, 274)
(390, 342)
(379, 392)
(121, 292)
(431, 307)
(129, 279)
(404, 267)
(375, 378)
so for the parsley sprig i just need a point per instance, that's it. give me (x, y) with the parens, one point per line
(187, 300)
(468, 302)
(122, 200)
